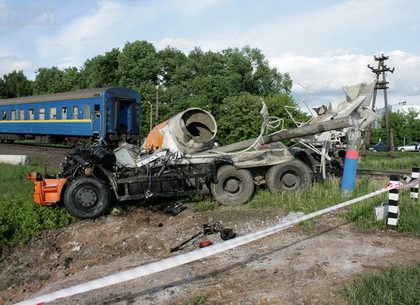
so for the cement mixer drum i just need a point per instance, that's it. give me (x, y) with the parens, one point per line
(190, 131)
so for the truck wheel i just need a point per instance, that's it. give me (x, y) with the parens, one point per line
(87, 198)
(288, 177)
(234, 187)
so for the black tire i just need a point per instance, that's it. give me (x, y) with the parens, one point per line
(288, 177)
(87, 198)
(234, 187)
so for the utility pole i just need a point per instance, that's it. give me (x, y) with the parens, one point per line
(380, 84)
(151, 116)
(157, 106)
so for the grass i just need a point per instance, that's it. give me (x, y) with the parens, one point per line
(403, 160)
(396, 286)
(197, 300)
(327, 193)
(20, 217)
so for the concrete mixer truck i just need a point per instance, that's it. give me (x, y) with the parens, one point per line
(178, 158)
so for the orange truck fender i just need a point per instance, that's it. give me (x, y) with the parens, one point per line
(46, 191)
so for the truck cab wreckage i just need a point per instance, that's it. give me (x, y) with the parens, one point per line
(179, 159)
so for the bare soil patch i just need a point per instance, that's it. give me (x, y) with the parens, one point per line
(290, 267)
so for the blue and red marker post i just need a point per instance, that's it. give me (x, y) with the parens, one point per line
(350, 172)
(350, 163)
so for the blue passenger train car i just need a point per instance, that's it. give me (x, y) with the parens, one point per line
(73, 118)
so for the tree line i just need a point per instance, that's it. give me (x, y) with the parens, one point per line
(228, 83)
(405, 128)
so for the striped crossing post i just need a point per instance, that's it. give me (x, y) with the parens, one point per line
(393, 198)
(414, 190)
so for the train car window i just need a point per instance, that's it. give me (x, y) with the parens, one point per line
(21, 114)
(4, 115)
(86, 112)
(64, 113)
(41, 114)
(31, 114)
(97, 112)
(13, 115)
(75, 112)
(53, 113)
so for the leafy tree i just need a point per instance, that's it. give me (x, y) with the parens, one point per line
(48, 80)
(72, 79)
(240, 118)
(412, 131)
(54, 80)
(3, 93)
(217, 75)
(16, 85)
(101, 71)
(138, 67)
(265, 80)
(170, 59)
(405, 128)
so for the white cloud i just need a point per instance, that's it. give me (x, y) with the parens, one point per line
(192, 6)
(324, 77)
(86, 35)
(351, 25)
(8, 63)
(184, 45)
(324, 73)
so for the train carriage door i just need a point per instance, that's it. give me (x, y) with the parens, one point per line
(123, 117)
(96, 119)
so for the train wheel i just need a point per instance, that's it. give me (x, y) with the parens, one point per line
(234, 187)
(288, 177)
(87, 198)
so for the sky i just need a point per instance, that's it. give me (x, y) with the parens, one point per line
(323, 45)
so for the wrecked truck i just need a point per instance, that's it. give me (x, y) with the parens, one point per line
(178, 158)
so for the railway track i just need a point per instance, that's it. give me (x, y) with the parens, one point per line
(40, 154)
(378, 172)
(40, 145)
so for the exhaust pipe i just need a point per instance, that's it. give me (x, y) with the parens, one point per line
(190, 131)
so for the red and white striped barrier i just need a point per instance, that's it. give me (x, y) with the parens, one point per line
(194, 255)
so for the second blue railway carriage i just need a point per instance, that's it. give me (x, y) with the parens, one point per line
(73, 118)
